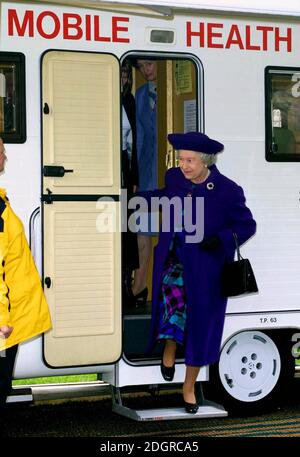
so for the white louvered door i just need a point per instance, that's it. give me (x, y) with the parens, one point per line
(81, 131)
(82, 271)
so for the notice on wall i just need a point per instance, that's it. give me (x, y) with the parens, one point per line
(190, 116)
(183, 77)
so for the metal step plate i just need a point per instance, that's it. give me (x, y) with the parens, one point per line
(176, 413)
(20, 394)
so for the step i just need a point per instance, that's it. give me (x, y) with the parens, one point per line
(58, 391)
(207, 410)
(20, 394)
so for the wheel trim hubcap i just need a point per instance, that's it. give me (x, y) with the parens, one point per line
(249, 366)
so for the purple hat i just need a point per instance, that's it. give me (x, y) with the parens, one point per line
(195, 141)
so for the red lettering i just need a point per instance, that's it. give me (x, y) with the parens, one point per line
(39, 25)
(211, 35)
(88, 27)
(116, 29)
(75, 26)
(234, 37)
(13, 21)
(265, 31)
(190, 34)
(97, 36)
(287, 38)
(72, 26)
(249, 46)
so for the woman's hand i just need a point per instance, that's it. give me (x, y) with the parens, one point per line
(5, 331)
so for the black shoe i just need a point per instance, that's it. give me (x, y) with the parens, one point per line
(191, 408)
(141, 297)
(167, 372)
(128, 299)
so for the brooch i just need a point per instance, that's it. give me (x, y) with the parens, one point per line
(210, 185)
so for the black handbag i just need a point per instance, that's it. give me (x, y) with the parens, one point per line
(237, 277)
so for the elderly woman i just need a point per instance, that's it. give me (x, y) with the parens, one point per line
(188, 307)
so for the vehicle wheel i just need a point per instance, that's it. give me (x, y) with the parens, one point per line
(253, 372)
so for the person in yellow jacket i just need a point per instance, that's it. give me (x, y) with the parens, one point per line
(24, 311)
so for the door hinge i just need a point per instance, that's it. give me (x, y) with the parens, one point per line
(48, 282)
(46, 108)
(48, 199)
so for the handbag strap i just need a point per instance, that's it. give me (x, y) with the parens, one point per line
(237, 246)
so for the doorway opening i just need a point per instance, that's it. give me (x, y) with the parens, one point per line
(161, 94)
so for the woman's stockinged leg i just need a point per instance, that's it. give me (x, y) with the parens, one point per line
(191, 374)
(169, 353)
(168, 360)
(140, 275)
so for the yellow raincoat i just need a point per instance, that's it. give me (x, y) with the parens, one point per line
(22, 302)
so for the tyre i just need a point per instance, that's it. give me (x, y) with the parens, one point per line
(253, 373)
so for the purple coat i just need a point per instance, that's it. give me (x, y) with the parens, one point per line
(225, 212)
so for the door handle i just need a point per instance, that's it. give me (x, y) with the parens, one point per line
(56, 171)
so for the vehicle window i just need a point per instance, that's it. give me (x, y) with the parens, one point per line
(12, 98)
(282, 114)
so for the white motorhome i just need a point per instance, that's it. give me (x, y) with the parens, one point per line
(224, 68)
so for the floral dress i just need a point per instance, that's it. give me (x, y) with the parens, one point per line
(172, 301)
